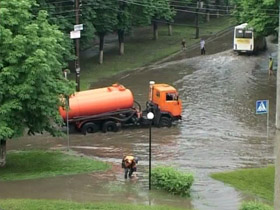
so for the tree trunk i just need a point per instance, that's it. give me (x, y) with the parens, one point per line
(101, 46)
(155, 29)
(196, 24)
(121, 41)
(2, 153)
(207, 16)
(218, 13)
(170, 32)
(227, 9)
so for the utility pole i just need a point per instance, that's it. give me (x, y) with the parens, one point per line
(278, 82)
(196, 20)
(277, 138)
(77, 62)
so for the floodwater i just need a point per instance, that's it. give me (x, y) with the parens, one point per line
(219, 132)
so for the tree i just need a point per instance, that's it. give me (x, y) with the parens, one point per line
(105, 21)
(31, 61)
(124, 16)
(261, 15)
(87, 19)
(62, 14)
(154, 11)
(161, 11)
(142, 12)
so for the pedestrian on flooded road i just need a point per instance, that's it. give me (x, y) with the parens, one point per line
(129, 165)
(270, 66)
(202, 47)
(183, 44)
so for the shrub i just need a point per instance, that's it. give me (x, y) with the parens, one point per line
(171, 180)
(252, 205)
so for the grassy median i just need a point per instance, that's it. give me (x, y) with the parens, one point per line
(38, 164)
(26, 204)
(141, 49)
(257, 181)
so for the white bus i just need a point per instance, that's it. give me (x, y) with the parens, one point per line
(244, 40)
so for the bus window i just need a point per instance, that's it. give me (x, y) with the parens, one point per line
(248, 34)
(171, 97)
(238, 33)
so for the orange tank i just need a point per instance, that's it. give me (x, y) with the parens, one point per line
(98, 101)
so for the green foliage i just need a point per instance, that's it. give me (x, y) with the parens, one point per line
(38, 164)
(149, 10)
(62, 14)
(171, 180)
(124, 16)
(163, 10)
(255, 206)
(142, 12)
(106, 16)
(88, 15)
(259, 181)
(27, 204)
(261, 15)
(58, 14)
(32, 57)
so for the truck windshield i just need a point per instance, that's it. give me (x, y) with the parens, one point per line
(171, 97)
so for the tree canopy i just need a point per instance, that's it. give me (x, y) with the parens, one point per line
(32, 57)
(106, 16)
(262, 15)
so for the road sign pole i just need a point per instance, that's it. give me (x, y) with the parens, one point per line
(267, 119)
(67, 114)
(262, 107)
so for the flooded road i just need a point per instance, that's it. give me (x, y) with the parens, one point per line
(219, 132)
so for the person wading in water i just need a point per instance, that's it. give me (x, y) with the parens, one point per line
(129, 165)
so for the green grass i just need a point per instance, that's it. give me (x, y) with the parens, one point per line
(253, 205)
(26, 204)
(38, 164)
(258, 181)
(141, 50)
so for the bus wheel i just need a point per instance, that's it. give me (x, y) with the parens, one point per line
(90, 127)
(165, 122)
(109, 126)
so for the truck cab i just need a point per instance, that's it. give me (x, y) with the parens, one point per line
(164, 102)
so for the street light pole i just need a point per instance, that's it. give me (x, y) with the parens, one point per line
(150, 116)
(150, 154)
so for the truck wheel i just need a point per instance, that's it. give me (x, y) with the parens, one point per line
(165, 122)
(109, 126)
(89, 127)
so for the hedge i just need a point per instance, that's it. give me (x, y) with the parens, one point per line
(171, 180)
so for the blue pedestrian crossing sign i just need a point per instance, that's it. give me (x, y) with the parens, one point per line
(262, 106)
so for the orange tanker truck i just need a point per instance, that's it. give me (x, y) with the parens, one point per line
(110, 108)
